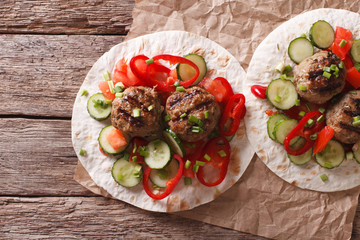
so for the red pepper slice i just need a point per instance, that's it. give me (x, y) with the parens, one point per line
(136, 143)
(258, 91)
(215, 149)
(234, 111)
(170, 184)
(353, 77)
(324, 136)
(157, 75)
(300, 130)
(138, 67)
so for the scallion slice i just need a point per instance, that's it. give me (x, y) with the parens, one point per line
(349, 155)
(341, 65)
(222, 153)
(342, 43)
(313, 136)
(322, 110)
(82, 152)
(327, 69)
(187, 164)
(327, 75)
(84, 92)
(107, 76)
(180, 89)
(324, 177)
(320, 119)
(200, 163)
(195, 168)
(303, 88)
(277, 99)
(149, 61)
(297, 102)
(206, 113)
(207, 157)
(136, 112)
(151, 107)
(183, 115)
(119, 94)
(167, 118)
(187, 181)
(177, 84)
(301, 113)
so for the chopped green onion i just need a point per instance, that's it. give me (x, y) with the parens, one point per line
(322, 110)
(341, 65)
(356, 118)
(151, 107)
(82, 152)
(149, 61)
(328, 165)
(126, 156)
(334, 67)
(108, 102)
(352, 92)
(183, 115)
(277, 99)
(283, 76)
(207, 157)
(200, 163)
(192, 119)
(195, 130)
(320, 119)
(327, 75)
(111, 87)
(280, 67)
(357, 66)
(106, 76)
(327, 69)
(195, 168)
(177, 84)
(307, 106)
(349, 155)
(134, 158)
(180, 89)
(342, 43)
(297, 102)
(84, 92)
(303, 35)
(167, 118)
(136, 112)
(119, 94)
(287, 69)
(324, 177)
(310, 123)
(119, 87)
(303, 88)
(187, 164)
(187, 181)
(222, 153)
(142, 151)
(100, 103)
(135, 147)
(302, 113)
(356, 123)
(277, 46)
(314, 136)
(200, 123)
(206, 113)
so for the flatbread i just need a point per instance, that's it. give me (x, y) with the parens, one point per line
(85, 130)
(271, 52)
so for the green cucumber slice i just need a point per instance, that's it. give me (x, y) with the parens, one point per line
(159, 177)
(98, 112)
(283, 128)
(159, 154)
(282, 94)
(356, 151)
(301, 159)
(322, 34)
(332, 156)
(272, 122)
(104, 143)
(125, 173)
(185, 72)
(174, 142)
(355, 50)
(299, 49)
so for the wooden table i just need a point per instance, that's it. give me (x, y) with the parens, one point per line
(47, 47)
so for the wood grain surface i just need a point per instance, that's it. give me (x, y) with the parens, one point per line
(47, 47)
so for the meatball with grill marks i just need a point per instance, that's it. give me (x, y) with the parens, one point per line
(310, 82)
(142, 101)
(187, 113)
(340, 116)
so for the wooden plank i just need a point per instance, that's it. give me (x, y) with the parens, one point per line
(37, 158)
(95, 217)
(66, 17)
(41, 74)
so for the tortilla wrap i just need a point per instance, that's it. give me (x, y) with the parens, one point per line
(271, 52)
(85, 130)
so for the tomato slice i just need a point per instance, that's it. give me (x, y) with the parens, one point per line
(220, 88)
(121, 66)
(342, 34)
(105, 89)
(116, 139)
(323, 137)
(348, 62)
(353, 77)
(120, 77)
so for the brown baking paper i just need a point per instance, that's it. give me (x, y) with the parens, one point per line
(260, 203)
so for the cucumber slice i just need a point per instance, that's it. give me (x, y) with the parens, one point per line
(298, 144)
(98, 112)
(125, 173)
(332, 156)
(301, 159)
(104, 143)
(174, 142)
(283, 128)
(159, 154)
(272, 122)
(186, 72)
(159, 177)
(355, 50)
(322, 34)
(357, 152)
(299, 49)
(282, 94)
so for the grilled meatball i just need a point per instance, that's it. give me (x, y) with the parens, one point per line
(193, 101)
(309, 73)
(142, 98)
(340, 117)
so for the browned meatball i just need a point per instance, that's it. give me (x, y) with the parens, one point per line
(340, 117)
(147, 101)
(309, 74)
(194, 101)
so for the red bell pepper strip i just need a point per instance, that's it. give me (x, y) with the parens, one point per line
(301, 131)
(258, 91)
(353, 77)
(234, 111)
(157, 75)
(220, 88)
(170, 184)
(323, 137)
(138, 67)
(218, 150)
